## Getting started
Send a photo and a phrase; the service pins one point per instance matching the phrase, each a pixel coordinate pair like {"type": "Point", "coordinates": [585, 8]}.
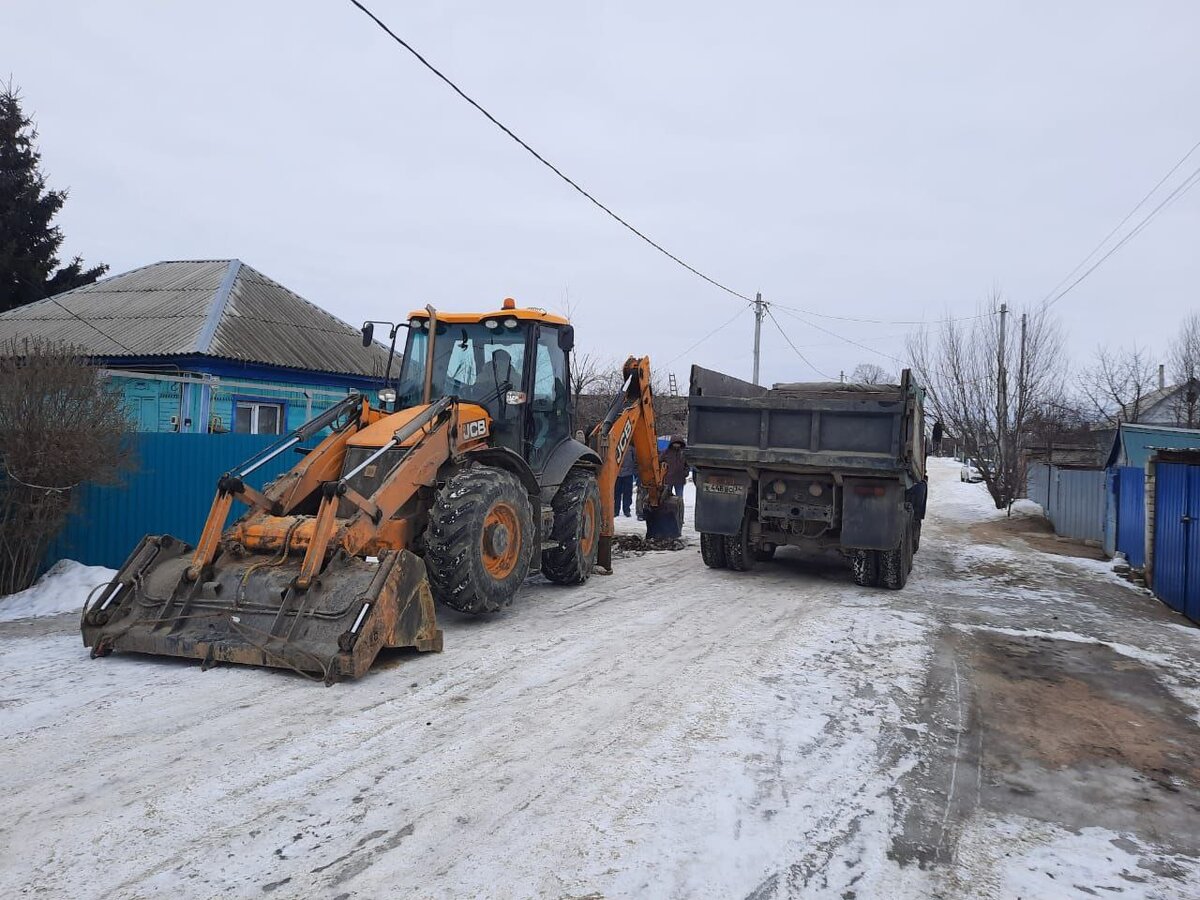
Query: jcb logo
{"type": "Point", "coordinates": [473, 430]}
{"type": "Point", "coordinates": [623, 441]}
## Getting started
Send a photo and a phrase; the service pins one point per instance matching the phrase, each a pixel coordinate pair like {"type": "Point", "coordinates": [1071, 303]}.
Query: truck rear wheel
{"type": "Point", "coordinates": [864, 566]}
{"type": "Point", "coordinates": [479, 540]}
{"type": "Point", "coordinates": [738, 551]}
{"type": "Point", "coordinates": [712, 550]}
{"type": "Point", "coordinates": [576, 529]}
{"type": "Point", "coordinates": [896, 564]}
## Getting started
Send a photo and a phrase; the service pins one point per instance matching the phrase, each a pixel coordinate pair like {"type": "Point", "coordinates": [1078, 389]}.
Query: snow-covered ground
{"type": "Point", "coordinates": [666, 731]}
{"type": "Point", "coordinates": [64, 588]}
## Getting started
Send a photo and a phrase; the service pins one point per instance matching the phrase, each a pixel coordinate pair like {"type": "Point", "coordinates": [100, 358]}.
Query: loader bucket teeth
{"type": "Point", "coordinates": [247, 611]}
{"type": "Point", "coordinates": [665, 520]}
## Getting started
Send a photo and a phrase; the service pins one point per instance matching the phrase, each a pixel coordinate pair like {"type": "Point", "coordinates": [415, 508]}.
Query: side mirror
{"type": "Point", "coordinates": [368, 333]}
{"type": "Point", "coordinates": [566, 338]}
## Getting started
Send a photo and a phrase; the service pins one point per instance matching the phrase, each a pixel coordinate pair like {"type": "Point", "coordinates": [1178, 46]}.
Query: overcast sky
{"type": "Point", "coordinates": [881, 160]}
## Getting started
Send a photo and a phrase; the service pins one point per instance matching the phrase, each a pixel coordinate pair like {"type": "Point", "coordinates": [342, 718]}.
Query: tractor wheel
{"type": "Point", "coordinates": [576, 530]}
{"type": "Point", "coordinates": [864, 564]}
{"type": "Point", "coordinates": [738, 552]}
{"type": "Point", "coordinates": [479, 540]}
{"type": "Point", "coordinates": [712, 550]}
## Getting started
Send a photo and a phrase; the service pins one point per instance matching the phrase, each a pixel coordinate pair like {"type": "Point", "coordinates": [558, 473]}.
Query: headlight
{"type": "Point", "coordinates": [387, 395]}
{"type": "Point", "coordinates": [510, 323]}
{"type": "Point", "coordinates": [815, 489]}
{"type": "Point", "coordinates": [492, 324]}
{"type": "Point", "coordinates": [779, 487]}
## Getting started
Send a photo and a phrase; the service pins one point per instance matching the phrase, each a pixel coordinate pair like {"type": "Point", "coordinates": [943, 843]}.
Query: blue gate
{"type": "Point", "coordinates": [1177, 537]}
{"type": "Point", "coordinates": [1131, 514]}
{"type": "Point", "coordinates": [169, 491]}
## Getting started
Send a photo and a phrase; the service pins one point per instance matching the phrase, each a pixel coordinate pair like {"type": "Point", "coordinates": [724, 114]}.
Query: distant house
{"type": "Point", "coordinates": [202, 346]}
{"type": "Point", "coordinates": [1177, 404]}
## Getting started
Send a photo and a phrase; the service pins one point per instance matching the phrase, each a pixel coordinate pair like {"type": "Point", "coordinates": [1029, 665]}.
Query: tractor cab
{"type": "Point", "coordinates": [512, 362]}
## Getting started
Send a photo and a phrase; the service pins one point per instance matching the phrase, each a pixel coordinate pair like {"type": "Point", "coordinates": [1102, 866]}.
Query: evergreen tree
{"type": "Point", "coordinates": [29, 242]}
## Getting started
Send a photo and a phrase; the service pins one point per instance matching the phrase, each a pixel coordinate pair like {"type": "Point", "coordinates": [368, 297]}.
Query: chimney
{"type": "Point", "coordinates": [1162, 376]}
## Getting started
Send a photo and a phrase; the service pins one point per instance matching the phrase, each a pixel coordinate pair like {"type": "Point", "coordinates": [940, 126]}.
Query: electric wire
{"type": "Point", "coordinates": [553, 168]}
{"type": "Point", "coordinates": [840, 337]}
{"type": "Point", "coordinates": [93, 327]}
{"type": "Point", "coordinates": [810, 312]}
{"type": "Point", "coordinates": [720, 327]}
{"type": "Point", "coordinates": [1186, 185]}
{"type": "Point", "coordinates": [793, 346]}
{"type": "Point", "coordinates": [1128, 216]}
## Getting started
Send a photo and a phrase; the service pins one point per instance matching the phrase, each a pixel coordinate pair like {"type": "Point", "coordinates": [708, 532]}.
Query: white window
{"type": "Point", "coordinates": [258, 418]}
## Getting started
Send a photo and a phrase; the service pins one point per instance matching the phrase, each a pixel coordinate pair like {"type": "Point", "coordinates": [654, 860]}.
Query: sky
{"type": "Point", "coordinates": [881, 161]}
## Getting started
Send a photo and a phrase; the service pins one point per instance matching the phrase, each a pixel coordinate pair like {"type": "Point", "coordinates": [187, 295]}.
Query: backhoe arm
{"type": "Point", "coordinates": [629, 424]}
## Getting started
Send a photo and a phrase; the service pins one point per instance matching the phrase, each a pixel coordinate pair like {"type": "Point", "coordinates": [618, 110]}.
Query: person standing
{"type": "Point", "coordinates": [676, 465]}
{"type": "Point", "coordinates": [623, 492]}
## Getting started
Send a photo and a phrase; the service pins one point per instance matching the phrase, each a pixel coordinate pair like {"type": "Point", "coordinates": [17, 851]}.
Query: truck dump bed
{"type": "Point", "coordinates": [822, 426]}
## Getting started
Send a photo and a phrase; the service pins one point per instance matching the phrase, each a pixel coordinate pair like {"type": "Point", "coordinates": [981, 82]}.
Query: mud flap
{"type": "Point", "coordinates": [721, 501]}
{"type": "Point", "coordinates": [247, 611]}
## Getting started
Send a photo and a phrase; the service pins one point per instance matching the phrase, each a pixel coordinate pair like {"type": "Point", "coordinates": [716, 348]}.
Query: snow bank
{"type": "Point", "coordinates": [64, 588]}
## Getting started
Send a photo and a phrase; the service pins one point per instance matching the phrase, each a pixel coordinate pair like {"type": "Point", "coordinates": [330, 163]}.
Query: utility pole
{"type": "Point", "coordinates": [760, 310]}
{"type": "Point", "coordinates": [1002, 403]}
{"type": "Point", "coordinates": [842, 376]}
{"type": "Point", "coordinates": [1022, 410]}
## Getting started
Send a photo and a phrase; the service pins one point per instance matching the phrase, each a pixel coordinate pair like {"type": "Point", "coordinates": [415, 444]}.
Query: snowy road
{"type": "Point", "coordinates": [667, 731]}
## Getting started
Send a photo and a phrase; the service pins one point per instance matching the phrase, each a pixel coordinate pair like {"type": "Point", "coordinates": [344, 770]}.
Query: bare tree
{"type": "Point", "coordinates": [1118, 384]}
{"type": "Point", "coordinates": [961, 365]}
{"type": "Point", "coordinates": [1185, 372]}
{"type": "Point", "coordinates": [60, 425]}
{"type": "Point", "coordinates": [870, 373]}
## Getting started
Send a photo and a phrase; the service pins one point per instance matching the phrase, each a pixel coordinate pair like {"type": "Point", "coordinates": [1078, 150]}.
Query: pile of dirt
{"type": "Point", "coordinates": [1035, 531]}
{"type": "Point", "coordinates": [636, 545]}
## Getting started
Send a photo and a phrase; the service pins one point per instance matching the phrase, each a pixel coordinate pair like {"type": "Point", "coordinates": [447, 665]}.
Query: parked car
{"type": "Point", "coordinates": [970, 472]}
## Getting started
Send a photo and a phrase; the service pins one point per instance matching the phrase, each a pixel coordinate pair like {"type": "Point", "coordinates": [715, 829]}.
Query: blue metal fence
{"type": "Point", "coordinates": [1131, 514]}
{"type": "Point", "coordinates": [1177, 537]}
{"type": "Point", "coordinates": [169, 491]}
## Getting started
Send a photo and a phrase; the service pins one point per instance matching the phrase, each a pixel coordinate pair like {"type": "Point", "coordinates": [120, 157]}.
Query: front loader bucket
{"type": "Point", "coordinates": [247, 611]}
{"type": "Point", "coordinates": [664, 520]}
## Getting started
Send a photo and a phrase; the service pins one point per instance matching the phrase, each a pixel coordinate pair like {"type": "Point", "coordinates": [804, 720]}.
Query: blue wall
{"type": "Point", "coordinates": [152, 402]}
{"type": "Point", "coordinates": [169, 491]}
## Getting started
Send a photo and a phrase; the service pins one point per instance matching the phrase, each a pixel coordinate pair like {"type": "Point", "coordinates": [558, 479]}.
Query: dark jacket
{"type": "Point", "coordinates": [676, 465]}
{"type": "Point", "coordinates": [628, 464]}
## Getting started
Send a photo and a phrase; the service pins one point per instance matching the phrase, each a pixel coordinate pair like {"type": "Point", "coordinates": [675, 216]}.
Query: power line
{"type": "Point", "coordinates": [1186, 185]}
{"type": "Point", "coordinates": [793, 346]}
{"type": "Point", "coordinates": [720, 327]}
{"type": "Point", "coordinates": [840, 337]}
{"type": "Point", "coordinates": [553, 168]}
{"type": "Point", "coordinates": [1128, 216]}
{"type": "Point", "coordinates": [93, 327]}
{"type": "Point", "coordinates": [810, 312]}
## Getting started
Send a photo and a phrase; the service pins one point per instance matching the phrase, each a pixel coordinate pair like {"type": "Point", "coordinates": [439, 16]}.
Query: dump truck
{"type": "Point", "coordinates": [829, 467]}
{"type": "Point", "coordinates": [463, 481]}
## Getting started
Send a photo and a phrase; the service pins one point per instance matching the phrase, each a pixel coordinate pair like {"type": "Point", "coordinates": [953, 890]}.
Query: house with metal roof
{"type": "Point", "coordinates": [207, 346]}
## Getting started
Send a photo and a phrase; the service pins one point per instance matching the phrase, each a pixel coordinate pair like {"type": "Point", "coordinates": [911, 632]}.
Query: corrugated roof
{"type": "Point", "coordinates": [178, 308]}
{"type": "Point", "coordinates": [1135, 444]}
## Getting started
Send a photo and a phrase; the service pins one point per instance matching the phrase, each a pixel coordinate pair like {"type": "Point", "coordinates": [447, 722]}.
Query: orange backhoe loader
{"type": "Point", "coordinates": [467, 484]}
